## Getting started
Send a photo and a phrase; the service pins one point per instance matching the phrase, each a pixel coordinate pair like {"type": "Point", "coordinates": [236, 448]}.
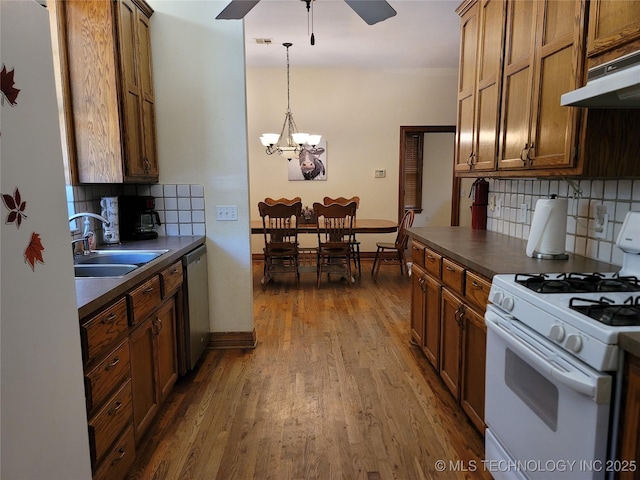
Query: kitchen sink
{"type": "Point", "coordinates": [119, 257]}
{"type": "Point", "coordinates": [102, 270]}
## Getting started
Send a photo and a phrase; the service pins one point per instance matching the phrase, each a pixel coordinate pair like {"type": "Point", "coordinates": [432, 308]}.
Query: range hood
{"type": "Point", "coordinates": [615, 84]}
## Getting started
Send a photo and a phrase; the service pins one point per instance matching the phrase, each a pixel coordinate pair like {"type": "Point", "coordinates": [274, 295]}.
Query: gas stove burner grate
{"type": "Point", "coordinates": [578, 283]}
{"type": "Point", "coordinates": [608, 312]}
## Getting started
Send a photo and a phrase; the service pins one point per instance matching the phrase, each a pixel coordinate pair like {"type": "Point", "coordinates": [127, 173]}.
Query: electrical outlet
{"type": "Point", "coordinates": [522, 213]}
{"type": "Point", "coordinates": [498, 211]}
{"type": "Point", "coordinates": [226, 213]}
{"type": "Point", "coordinates": [380, 173]}
{"type": "Point", "coordinates": [601, 221]}
{"type": "Point", "coordinates": [492, 203]}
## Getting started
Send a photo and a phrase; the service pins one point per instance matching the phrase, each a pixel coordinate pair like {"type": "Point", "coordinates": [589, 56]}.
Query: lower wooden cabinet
{"type": "Point", "coordinates": [447, 322]}
{"type": "Point", "coordinates": [450, 341]}
{"type": "Point", "coordinates": [130, 356]}
{"type": "Point", "coordinates": [629, 435]}
{"type": "Point", "coordinates": [474, 353]}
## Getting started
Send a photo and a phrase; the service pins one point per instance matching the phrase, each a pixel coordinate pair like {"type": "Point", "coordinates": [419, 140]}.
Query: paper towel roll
{"type": "Point", "coordinates": [548, 229]}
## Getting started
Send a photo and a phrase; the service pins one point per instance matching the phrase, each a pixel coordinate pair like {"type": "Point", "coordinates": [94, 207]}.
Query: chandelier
{"type": "Point", "coordinates": [291, 143]}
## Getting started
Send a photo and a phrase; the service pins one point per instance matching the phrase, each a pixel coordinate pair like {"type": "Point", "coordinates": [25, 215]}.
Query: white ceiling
{"type": "Point", "coordinates": [423, 34]}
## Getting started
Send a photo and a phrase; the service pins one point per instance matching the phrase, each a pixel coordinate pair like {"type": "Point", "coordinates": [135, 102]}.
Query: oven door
{"type": "Point", "coordinates": [547, 413]}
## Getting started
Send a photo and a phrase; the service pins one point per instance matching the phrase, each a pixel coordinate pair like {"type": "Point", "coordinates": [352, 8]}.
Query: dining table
{"type": "Point", "coordinates": [360, 225]}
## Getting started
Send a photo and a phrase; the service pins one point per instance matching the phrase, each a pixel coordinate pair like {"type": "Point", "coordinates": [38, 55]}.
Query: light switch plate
{"type": "Point", "coordinates": [226, 213]}
{"type": "Point", "coordinates": [380, 173]}
{"type": "Point", "coordinates": [522, 213]}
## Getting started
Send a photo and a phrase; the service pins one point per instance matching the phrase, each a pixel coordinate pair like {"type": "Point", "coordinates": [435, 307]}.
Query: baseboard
{"type": "Point", "coordinates": [220, 340]}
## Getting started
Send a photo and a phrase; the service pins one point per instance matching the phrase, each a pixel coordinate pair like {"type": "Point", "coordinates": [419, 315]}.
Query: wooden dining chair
{"type": "Point", "coordinates": [355, 243]}
{"type": "Point", "coordinates": [334, 224]}
{"type": "Point", "coordinates": [393, 253]}
{"type": "Point", "coordinates": [280, 230]}
{"type": "Point", "coordinates": [286, 201]}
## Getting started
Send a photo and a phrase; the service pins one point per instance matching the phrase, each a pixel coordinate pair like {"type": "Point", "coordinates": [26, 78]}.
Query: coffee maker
{"type": "Point", "coordinates": [138, 217]}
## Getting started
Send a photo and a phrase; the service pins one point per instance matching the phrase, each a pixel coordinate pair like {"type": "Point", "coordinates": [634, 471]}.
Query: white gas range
{"type": "Point", "coordinates": [552, 356]}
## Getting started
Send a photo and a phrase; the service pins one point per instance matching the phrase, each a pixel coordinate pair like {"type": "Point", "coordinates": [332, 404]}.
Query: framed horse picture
{"type": "Point", "coordinates": [311, 163]}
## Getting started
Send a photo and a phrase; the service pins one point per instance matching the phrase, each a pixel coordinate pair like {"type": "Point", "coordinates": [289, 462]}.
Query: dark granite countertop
{"type": "Point", "coordinates": [94, 293]}
{"type": "Point", "coordinates": [491, 253]}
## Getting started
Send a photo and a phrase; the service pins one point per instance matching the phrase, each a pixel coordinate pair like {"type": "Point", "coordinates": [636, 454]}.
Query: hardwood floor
{"type": "Point", "coordinates": [334, 390]}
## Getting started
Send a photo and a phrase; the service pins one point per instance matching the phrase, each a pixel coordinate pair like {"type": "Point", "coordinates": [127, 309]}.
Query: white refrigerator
{"type": "Point", "coordinates": [43, 427]}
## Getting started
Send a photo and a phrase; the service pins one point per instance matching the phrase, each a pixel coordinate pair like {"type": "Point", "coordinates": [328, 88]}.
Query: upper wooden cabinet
{"type": "Point", "coordinates": [107, 88]}
{"type": "Point", "coordinates": [479, 83]}
{"type": "Point", "coordinates": [543, 52]}
{"type": "Point", "coordinates": [613, 24]}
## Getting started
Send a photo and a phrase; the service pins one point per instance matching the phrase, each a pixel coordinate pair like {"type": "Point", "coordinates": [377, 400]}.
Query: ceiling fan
{"type": "Point", "coordinates": [371, 11]}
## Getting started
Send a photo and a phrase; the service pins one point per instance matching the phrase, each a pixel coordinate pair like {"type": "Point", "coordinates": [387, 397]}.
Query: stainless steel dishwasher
{"type": "Point", "coordinates": [196, 305]}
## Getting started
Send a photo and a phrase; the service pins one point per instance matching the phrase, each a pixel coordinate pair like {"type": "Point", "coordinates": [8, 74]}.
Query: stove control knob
{"type": "Point", "coordinates": [497, 298]}
{"type": "Point", "coordinates": [574, 343]}
{"type": "Point", "coordinates": [508, 303]}
{"type": "Point", "coordinates": [557, 333]}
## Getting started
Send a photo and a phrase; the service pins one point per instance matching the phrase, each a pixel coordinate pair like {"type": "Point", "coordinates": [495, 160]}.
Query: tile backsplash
{"type": "Point", "coordinates": [618, 196]}
{"type": "Point", "coordinates": [181, 207]}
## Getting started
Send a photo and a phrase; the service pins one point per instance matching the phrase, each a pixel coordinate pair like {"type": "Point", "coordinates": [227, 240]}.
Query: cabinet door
{"type": "Point", "coordinates": [612, 24]}
{"type": "Point", "coordinates": [431, 342]}
{"type": "Point", "coordinates": [630, 434]}
{"type": "Point", "coordinates": [543, 60]}
{"type": "Point", "coordinates": [139, 113]}
{"type": "Point", "coordinates": [165, 322]}
{"type": "Point", "coordinates": [466, 90]}
{"type": "Point", "coordinates": [558, 66]}
{"type": "Point", "coordinates": [489, 82]}
{"type": "Point", "coordinates": [516, 88]}
{"type": "Point", "coordinates": [452, 311]}
{"type": "Point", "coordinates": [418, 288]}
{"type": "Point", "coordinates": [143, 376]}
{"type": "Point", "coordinates": [474, 347]}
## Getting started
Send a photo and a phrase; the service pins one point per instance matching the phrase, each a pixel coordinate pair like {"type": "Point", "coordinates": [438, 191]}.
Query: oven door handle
{"type": "Point", "coordinates": [528, 352]}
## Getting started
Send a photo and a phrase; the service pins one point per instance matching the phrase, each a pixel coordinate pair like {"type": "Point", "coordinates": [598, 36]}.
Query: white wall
{"type": "Point", "coordinates": [201, 124]}
{"type": "Point", "coordinates": [359, 113]}
{"type": "Point", "coordinates": [437, 180]}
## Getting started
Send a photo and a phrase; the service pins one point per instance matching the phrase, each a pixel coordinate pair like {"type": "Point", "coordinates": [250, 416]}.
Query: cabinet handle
{"type": "Point", "coordinates": [174, 271]}
{"type": "Point", "coordinates": [470, 160]}
{"type": "Point", "coordinates": [431, 257]}
{"type": "Point", "coordinates": [109, 319]}
{"type": "Point", "coordinates": [147, 166]}
{"type": "Point", "coordinates": [459, 314]}
{"type": "Point", "coordinates": [529, 158]}
{"type": "Point", "coordinates": [148, 290]}
{"type": "Point", "coordinates": [477, 285]}
{"type": "Point", "coordinates": [160, 324]}
{"type": "Point", "coordinates": [122, 453]}
{"type": "Point", "coordinates": [421, 282]}
{"type": "Point", "coordinates": [451, 269]}
{"type": "Point", "coordinates": [523, 156]}
{"type": "Point", "coordinates": [115, 408]}
{"type": "Point", "coordinates": [115, 362]}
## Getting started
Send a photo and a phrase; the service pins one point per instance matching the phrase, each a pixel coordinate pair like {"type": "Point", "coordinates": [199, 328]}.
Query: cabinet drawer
{"type": "Point", "coordinates": [109, 422]}
{"type": "Point", "coordinates": [119, 459]}
{"type": "Point", "coordinates": [102, 330]}
{"type": "Point", "coordinates": [107, 375]}
{"type": "Point", "coordinates": [417, 253]}
{"type": "Point", "coordinates": [171, 278]}
{"type": "Point", "coordinates": [476, 289]}
{"type": "Point", "coordinates": [144, 299]}
{"type": "Point", "coordinates": [433, 262]}
{"type": "Point", "coordinates": [453, 275]}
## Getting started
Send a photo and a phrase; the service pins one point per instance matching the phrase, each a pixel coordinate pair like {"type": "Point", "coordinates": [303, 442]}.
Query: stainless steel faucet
{"type": "Point", "coordinates": [86, 232]}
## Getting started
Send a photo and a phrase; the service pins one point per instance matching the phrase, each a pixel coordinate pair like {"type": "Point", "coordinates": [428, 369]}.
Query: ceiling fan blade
{"type": "Point", "coordinates": [372, 11]}
{"type": "Point", "coordinates": [236, 9]}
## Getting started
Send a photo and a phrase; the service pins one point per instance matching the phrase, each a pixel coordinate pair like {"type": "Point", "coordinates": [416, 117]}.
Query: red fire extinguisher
{"type": "Point", "coordinates": [480, 192]}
